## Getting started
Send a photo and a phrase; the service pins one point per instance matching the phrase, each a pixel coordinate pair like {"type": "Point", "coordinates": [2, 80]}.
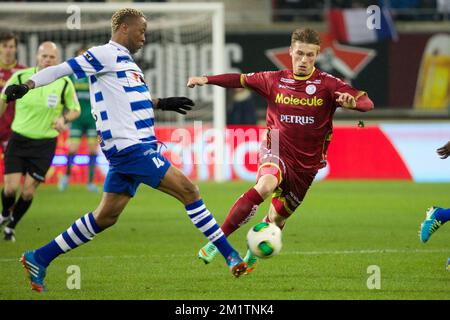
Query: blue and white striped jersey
{"type": "Point", "coordinates": [120, 99]}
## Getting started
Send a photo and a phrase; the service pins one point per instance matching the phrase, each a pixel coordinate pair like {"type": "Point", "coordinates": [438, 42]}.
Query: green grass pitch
{"type": "Point", "coordinates": [341, 229]}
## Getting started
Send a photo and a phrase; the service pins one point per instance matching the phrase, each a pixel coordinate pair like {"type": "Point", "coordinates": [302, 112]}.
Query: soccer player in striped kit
{"type": "Point", "coordinates": [123, 110]}
{"type": "Point", "coordinates": [301, 104]}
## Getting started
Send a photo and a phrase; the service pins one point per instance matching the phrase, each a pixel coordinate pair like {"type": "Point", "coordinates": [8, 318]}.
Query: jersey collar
{"type": "Point", "coordinates": [304, 77]}
{"type": "Point", "coordinates": [115, 44]}
{"type": "Point", "coordinates": [8, 66]}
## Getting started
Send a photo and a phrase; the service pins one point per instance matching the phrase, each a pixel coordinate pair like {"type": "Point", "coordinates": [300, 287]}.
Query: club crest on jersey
{"type": "Point", "coordinates": [52, 100]}
{"type": "Point", "coordinates": [310, 89]}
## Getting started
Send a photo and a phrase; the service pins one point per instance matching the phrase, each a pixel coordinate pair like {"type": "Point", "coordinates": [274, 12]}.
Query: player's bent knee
{"type": "Point", "coordinates": [266, 185]}
{"type": "Point", "coordinates": [10, 188]}
{"type": "Point", "coordinates": [27, 195]}
{"type": "Point", "coordinates": [28, 192]}
{"type": "Point", "coordinates": [191, 193]}
{"type": "Point", "coordinates": [106, 219]}
{"type": "Point", "coordinates": [10, 191]}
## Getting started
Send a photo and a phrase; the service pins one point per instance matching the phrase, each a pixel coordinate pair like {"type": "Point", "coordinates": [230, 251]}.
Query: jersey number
{"type": "Point", "coordinates": [158, 162]}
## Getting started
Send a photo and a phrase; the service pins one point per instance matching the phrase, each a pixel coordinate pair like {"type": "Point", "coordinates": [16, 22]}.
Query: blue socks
{"type": "Point", "coordinates": [84, 229]}
{"type": "Point", "coordinates": [443, 215]}
{"type": "Point", "coordinates": [81, 231]}
{"type": "Point", "coordinates": [205, 222]}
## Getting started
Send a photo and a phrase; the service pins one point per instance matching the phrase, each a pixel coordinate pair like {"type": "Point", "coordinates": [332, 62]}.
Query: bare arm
{"type": "Point", "coordinates": [227, 80]}
{"type": "Point", "coordinates": [71, 115]}
{"type": "Point", "coordinates": [155, 103]}
{"type": "Point", "coordinates": [346, 100]}
{"type": "Point", "coordinates": [60, 123]}
{"type": "Point", "coordinates": [197, 81]}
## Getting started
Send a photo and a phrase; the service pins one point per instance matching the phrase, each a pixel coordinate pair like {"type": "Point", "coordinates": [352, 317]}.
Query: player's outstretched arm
{"type": "Point", "coordinates": [42, 78]}
{"type": "Point", "coordinates": [227, 80]}
{"type": "Point", "coordinates": [346, 100]}
{"type": "Point", "coordinates": [197, 81]}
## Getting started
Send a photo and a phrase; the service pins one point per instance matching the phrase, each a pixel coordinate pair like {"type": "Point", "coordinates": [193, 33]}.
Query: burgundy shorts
{"type": "Point", "coordinates": [292, 185]}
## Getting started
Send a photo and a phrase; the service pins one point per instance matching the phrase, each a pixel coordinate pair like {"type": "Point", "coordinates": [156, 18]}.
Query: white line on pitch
{"type": "Point", "coordinates": [312, 253]}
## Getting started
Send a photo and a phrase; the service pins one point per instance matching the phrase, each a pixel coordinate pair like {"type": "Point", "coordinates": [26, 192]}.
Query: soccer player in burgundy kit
{"type": "Point", "coordinates": [8, 66]}
{"type": "Point", "coordinates": [301, 104]}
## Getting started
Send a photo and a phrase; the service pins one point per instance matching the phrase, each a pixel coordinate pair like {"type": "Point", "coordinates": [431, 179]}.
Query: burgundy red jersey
{"type": "Point", "coordinates": [8, 116]}
{"type": "Point", "coordinates": [301, 109]}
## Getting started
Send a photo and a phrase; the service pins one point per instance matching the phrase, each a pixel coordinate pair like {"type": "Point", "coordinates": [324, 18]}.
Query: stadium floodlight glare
{"type": "Point", "coordinates": [183, 39]}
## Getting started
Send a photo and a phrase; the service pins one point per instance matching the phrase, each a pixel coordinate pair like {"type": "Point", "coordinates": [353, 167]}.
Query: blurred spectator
{"type": "Point", "coordinates": [400, 4]}
{"type": "Point", "coordinates": [410, 10]}
{"type": "Point", "coordinates": [443, 8]}
{"type": "Point", "coordinates": [346, 4]}
{"type": "Point", "coordinates": [294, 10]}
{"type": "Point", "coordinates": [243, 108]}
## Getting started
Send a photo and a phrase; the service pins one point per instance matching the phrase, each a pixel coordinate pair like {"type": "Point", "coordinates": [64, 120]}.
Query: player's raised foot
{"type": "Point", "coordinates": [9, 235]}
{"type": "Point", "coordinates": [208, 252]}
{"type": "Point", "coordinates": [236, 264]}
{"type": "Point", "coordinates": [63, 183]}
{"type": "Point", "coordinates": [251, 260]}
{"type": "Point", "coordinates": [35, 271]}
{"type": "Point", "coordinates": [430, 224]}
{"type": "Point", "coordinates": [92, 187]}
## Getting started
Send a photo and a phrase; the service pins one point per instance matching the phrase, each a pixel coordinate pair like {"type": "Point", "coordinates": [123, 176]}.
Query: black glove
{"type": "Point", "coordinates": [178, 104]}
{"type": "Point", "coordinates": [16, 91]}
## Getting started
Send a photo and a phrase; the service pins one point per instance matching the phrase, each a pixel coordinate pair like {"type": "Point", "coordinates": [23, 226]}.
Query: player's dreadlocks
{"type": "Point", "coordinates": [306, 35]}
{"type": "Point", "coordinates": [122, 16]}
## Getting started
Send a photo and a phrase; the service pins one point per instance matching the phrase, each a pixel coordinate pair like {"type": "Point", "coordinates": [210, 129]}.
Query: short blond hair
{"type": "Point", "coordinates": [122, 15]}
{"type": "Point", "coordinates": [306, 35]}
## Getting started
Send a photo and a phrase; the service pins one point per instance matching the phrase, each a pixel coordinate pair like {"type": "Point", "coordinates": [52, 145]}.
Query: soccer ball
{"type": "Point", "coordinates": [264, 240]}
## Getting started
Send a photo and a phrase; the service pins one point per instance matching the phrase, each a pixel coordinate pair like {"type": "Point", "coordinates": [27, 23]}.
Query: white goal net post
{"type": "Point", "coordinates": [182, 40]}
